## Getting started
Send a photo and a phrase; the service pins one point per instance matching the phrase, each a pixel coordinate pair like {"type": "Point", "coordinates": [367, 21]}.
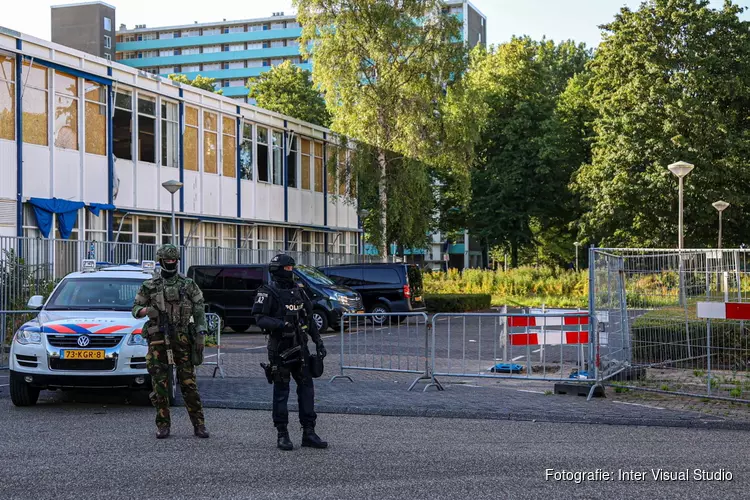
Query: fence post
{"type": "Point", "coordinates": [708, 354]}
{"type": "Point", "coordinates": [505, 334]}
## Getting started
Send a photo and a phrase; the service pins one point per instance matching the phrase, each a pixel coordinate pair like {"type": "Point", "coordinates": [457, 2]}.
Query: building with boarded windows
{"type": "Point", "coordinates": [85, 144]}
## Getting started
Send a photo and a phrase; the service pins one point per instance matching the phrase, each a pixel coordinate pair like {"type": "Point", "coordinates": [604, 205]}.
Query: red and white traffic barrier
{"type": "Point", "coordinates": [549, 337]}
{"type": "Point", "coordinates": [739, 311]}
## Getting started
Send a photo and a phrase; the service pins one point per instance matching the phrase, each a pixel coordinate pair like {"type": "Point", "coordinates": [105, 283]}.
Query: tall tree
{"type": "Point", "coordinates": [382, 66]}
{"type": "Point", "coordinates": [288, 89]}
{"type": "Point", "coordinates": [520, 184]}
{"type": "Point", "coordinates": [199, 81]}
{"type": "Point", "coordinates": [669, 82]}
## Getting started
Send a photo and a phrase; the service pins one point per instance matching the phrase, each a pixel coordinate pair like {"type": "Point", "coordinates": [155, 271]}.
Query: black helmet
{"type": "Point", "coordinates": [277, 265]}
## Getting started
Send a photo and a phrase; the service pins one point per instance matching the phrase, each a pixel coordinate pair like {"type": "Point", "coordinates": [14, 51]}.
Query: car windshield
{"type": "Point", "coordinates": [84, 294]}
{"type": "Point", "coordinates": [314, 275]}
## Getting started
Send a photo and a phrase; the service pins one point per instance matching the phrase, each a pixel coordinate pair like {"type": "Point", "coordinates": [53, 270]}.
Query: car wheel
{"type": "Point", "coordinates": [320, 319]}
{"type": "Point", "coordinates": [379, 312]}
{"type": "Point", "coordinates": [21, 393]}
{"type": "Point", "coordinates": [172, 385]}
{"type": "Point", "coordinates": [239, 328]}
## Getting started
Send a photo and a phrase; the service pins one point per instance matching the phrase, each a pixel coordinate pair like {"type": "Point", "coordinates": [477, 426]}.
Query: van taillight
{"type": "Point", "coordinates": [407, 291]}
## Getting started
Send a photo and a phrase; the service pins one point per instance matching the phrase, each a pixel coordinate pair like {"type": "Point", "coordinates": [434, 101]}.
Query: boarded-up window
{"type": "Point", "coordinates": [66, 111]}
{"type": "Point", "coordinates": [7, 97]}
{"type": "Point", "coordinates": [191, 139]}
{"type": "Point", "coordinates": [229, 145]}
{"type": "Point", "coordinates": [319, 167]}
{"type": "Point", "coordinates": [35, 115]}
{"type": "Point", "coordinates": [305, 167]}
{"type": "Point", "coordinates": [210, 143]}
{"type": "Point", "coordinates": [96, 118]}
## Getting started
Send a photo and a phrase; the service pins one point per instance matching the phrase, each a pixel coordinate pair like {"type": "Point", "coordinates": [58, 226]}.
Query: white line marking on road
{"type": "Point", "coordinates": [518, 357]}
{"type": "Point", "coordinates": [209, 356]}
{"type": "Point", "coordinates": [472, 340]}
{"type": "Point", "coordinates": [528, 390]}
{"type": "Point", "coordinates": [638, 404]}
{"type": "Point", "coordinates": [4, 385]}
{"type": "Point", "coordinates": [329, 336]}
{"type": "Point", "coordinates": [536, 351]}
{"type": "Point", "coordinates": [252, 348]}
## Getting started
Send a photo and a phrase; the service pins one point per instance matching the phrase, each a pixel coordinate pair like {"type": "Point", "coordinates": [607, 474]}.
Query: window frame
{"type": "Point", "coordinates": [107, 42]}
{"type": "Point", "coordinates": [9, 84]}
{"type": "Point", "coordinates": [144, 116]}
{"type": "Point", "coordinates": [193, 129]}
{"type": "Point", "coordinates": [246, 144]}
{"type": "Point", "coordinates": [208, 133]}
{"type": "Point", "coordinates": [29, 85]}
{"type": "Point", "coordinates": [74, 97]}
{"type": "Point", "coordinates": [228, 145]}
{"type": "Point", "coordinates": [103, 89]}
{"type": "Point", "coordinates": [267, 146]}
{"type": "Point", "coordinates": [131, 94]}
{"type": "Point", "coordinates": [164, 145]}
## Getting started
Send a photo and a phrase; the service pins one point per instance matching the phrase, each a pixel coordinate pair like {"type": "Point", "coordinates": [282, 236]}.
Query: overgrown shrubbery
{"type": "Point", "coordinates": [527, 286]}
{"type": "Point", "coordinates": [457, 303]}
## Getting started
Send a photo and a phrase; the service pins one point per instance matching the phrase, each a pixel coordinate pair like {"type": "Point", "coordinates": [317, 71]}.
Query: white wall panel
{"type": "Point", "coordinates": [95, 180]}
{"type": "Point", "coordinates": [318, 203]}
{"type": "Point", "coordinates": [36, 171]}
{"type": "Point", "coordinates": [148, 187]}
{"type": "Point", "coordinates": [248, 202]}
{"type": "Point", "coordinates": [124, 170]}
{"type": "Point", "coordinates": [8, 169]}
{"type": "Point", "coordinates": [276, 203]}
{"type": "Point", "coordinates": [192, 192]}
{"type": "Point", "coordinates": [263, 203]}
{"type": "Point", "coordinates": [67, 175]}
{"type": "Point", "coordinates": [211, 195]}
{"type": "Point", "coordinates": [165, 199]}
{"type": "Point", "coordinates": [228, 197]}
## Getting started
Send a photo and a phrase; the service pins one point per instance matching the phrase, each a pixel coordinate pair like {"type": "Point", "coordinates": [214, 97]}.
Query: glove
{"type": "Point", "coordinates": [152, 313]}
{"type": "Point", "coordinates": [321, 349]}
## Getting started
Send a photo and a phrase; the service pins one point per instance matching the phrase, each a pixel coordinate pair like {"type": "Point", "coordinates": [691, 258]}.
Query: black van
{"type": "Point", "coordinates": [229, 291]}
{"type": "Point", "coordinates": [384, 287]}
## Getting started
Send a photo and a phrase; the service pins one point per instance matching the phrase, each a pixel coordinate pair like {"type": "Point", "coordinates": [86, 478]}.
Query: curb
{"type": "Point", "coordinates": [483, 415]}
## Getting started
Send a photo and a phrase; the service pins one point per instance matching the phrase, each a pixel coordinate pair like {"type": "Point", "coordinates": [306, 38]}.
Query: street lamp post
{"type": "Point", "coordinates": [720, 206]}
{"type": "Point", "coordinates": [173, 186]}
{"type": "Point", "coordinates": [680, 169]}
{"type": "Point", "coordinates": [577, 244]}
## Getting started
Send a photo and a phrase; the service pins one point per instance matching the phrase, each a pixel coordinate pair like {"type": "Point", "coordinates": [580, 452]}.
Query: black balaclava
{"type": "Point", "coordinates": [278, 272]}
{"type": "Point", "coordinates": [168, 270]}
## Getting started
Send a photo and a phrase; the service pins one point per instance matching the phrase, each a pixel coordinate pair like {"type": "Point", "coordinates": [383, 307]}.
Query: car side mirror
{"type": "Point", "coordinates": [35, 302]}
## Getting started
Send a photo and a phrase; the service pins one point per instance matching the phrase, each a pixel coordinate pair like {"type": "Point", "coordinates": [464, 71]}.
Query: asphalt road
{"type": "Point", "coordinates": [68, 450]}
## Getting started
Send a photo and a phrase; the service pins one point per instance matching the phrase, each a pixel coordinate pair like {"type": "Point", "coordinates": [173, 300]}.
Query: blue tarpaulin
{"type": "Point", "coordinates": [96, 208]}
{"type": "Point", "coordinates": [67, 214]}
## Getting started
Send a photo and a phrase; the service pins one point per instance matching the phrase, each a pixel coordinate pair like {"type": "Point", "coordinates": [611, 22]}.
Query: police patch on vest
{"type": "Point", "coordinates": [261, 297]}
{"type": "Point", "coordinates": [295, 307]}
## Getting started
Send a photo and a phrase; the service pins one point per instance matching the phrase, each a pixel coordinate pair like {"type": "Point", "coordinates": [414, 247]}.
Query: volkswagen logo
{"type": "Point", "coordinates": [83, 341]}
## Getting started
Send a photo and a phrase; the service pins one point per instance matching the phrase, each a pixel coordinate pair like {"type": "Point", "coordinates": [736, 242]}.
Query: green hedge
{"type": "Point", "coordinates": [458, 302]}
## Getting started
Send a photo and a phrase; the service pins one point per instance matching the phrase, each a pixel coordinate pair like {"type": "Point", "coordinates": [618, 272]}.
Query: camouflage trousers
{"type": "Point", "coordinates": [158, 368]}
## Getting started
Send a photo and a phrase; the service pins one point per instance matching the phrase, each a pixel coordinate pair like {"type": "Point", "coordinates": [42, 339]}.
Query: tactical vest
{"type": "Point", "coordinates": [172, 297]}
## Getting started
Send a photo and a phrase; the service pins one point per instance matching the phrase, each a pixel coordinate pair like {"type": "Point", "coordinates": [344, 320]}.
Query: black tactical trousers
{"type": "Point", "coordinates": [305, 397]}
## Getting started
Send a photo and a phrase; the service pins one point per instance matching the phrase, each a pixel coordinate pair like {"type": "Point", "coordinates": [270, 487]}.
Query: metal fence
{"type": "Point", "coordinates": [654, 339]}
{"type": "Point", "coordinates": [390, 342]}
{"type": "Point", "coordinates": [31, 266]}
{"type": "Point", "coordinates": [543, 346]}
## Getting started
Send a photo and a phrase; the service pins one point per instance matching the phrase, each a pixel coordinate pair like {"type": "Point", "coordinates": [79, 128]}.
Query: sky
{"type": "Point", "coordinates": [556, 19]}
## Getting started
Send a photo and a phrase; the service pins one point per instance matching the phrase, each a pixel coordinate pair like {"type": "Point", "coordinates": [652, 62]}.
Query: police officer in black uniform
{"type": "Point", "coordinates": [283, 310]}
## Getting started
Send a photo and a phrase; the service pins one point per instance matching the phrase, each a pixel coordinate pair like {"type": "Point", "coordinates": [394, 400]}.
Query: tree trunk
{"type": "Point", "coordinates": [382, 186]}
{"type": "Point", "coordinates": [514, 254]}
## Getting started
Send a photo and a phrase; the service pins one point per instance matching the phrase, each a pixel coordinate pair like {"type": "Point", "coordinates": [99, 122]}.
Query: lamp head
{"type": "Point", "coordinates": [172, 186]}
{"type": "Point", "coordinates": [681, 168]}
{"type": "Point", "coordinates": [720, 205]}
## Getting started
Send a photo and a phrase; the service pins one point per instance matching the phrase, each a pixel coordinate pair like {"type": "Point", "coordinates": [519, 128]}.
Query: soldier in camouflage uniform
{"type": "Point", "coordinates": [174, 305]}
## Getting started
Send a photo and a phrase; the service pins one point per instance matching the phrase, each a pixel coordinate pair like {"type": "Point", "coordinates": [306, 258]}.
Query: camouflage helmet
{"type": "Point", "coordinates": [168, 252]}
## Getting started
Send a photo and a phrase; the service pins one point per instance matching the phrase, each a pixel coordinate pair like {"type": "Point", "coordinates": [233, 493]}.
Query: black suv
{"type": "Point", "coordinates": [384, 287]}
{"type": "Point", "coordinates": [229, 291]}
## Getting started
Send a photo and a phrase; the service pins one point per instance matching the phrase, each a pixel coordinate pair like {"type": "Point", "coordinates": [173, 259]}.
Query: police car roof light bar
{"type": "Point", "coordinates": [148, 266]}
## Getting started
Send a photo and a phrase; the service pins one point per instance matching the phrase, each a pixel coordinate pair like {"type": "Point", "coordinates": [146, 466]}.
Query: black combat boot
{"type": "Point", "coordinates": [162, 432]}
{"type": "Point", "coordinates": [283, 442]}
{"type": "Point", "coordinates": [312, 440]}
{"type": "Point", "coordinates": [200, 431]}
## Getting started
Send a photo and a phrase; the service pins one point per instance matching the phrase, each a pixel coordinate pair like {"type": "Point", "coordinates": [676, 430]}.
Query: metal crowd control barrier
{"type": "Point", "coordinates": [388, 342]}
{"type": "Point", "coordinates": [499, 345]}
{"type": "Point", "coordinates": [215, 327]}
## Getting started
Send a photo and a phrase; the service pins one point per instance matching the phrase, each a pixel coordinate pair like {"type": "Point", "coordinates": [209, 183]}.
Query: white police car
{"type": "Point", "coordinates": [84, 335]}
